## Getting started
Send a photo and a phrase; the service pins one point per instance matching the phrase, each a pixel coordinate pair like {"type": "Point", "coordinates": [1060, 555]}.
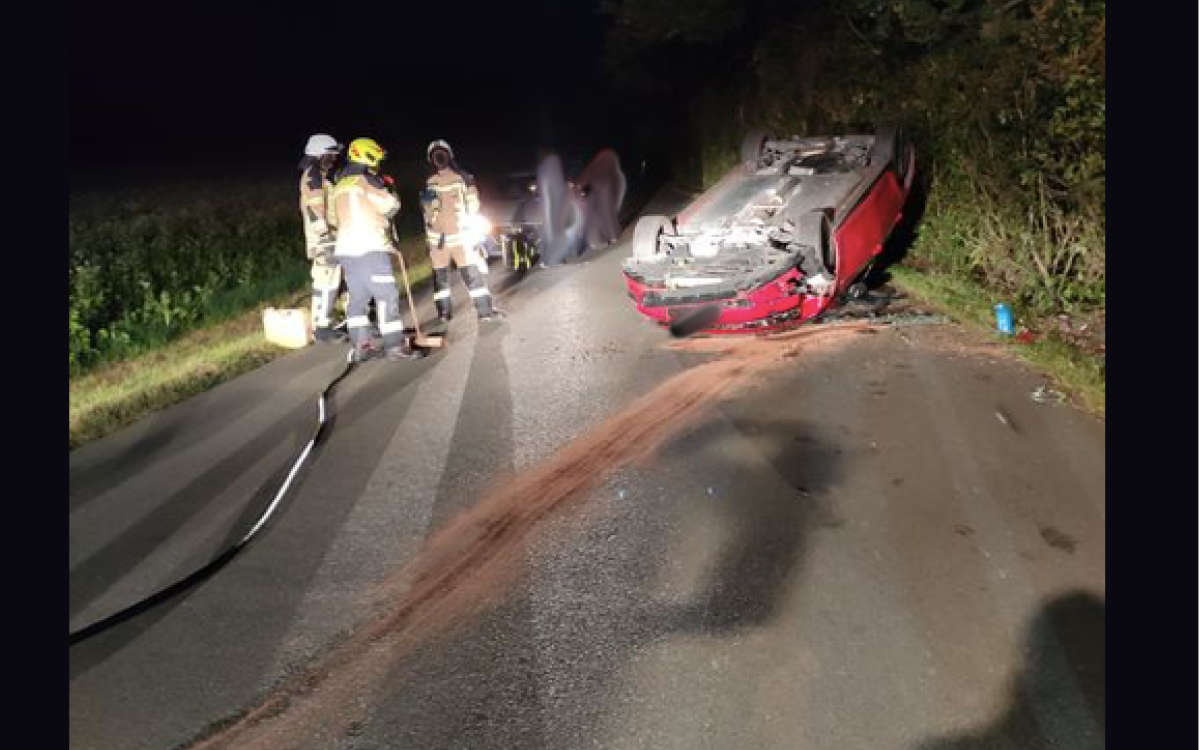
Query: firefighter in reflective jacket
{"type": "Point", "coordinates": [364, 208]}
{"type": "Point", "coordinates": [455, 230]}
{"type": "Point", "coordinates": [316, 189]}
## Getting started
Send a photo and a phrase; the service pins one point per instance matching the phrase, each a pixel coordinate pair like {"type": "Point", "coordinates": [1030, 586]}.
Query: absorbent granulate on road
{"type": "Point", "coordinates": [466, 564]}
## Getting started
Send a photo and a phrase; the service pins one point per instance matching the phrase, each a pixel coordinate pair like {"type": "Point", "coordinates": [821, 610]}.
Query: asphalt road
{"type": "Point", "coordinates": [853, 552]}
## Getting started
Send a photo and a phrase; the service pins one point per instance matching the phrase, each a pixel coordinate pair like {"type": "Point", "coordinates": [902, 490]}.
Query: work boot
{"type": "Point", "coordinates": [364, 351]}
{"type": "Point", "coordinates": [325, 335]}
{"type": "Point", "coordinates": [405, 351]}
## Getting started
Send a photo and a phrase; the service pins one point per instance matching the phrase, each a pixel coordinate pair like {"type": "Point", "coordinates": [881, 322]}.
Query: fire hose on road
{"type": "Point", "coordinates": [219, 561]}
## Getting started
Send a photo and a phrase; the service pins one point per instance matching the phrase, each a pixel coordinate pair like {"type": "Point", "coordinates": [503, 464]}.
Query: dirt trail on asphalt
{"type": "Point", "coordinates": [468, 564]}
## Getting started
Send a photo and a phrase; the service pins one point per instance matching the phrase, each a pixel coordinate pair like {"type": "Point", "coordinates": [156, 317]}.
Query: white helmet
{"type": "Point", "coordinates": [439, 143]}
{"type": "Point", "coordinates": [321, 144]}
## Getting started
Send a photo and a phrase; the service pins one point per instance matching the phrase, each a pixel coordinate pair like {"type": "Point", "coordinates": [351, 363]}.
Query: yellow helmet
{"type": "Point", "coordinates": [365, 151]}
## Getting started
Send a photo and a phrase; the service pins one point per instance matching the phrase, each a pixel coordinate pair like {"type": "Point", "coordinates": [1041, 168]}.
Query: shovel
{"type": "Point", "coordinates": [425, 342]}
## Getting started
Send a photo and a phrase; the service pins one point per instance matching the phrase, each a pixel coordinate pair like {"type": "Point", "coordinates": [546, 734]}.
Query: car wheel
{"type": "Point", "coordinates": [646, 233]}
{"type": "Point", "coordinates": [814, 230]}
{"type": "Point", "coordinates": [752, 148]}
{"type": "Point", "coordinates": [883, 149]}
{"type": "Point", "coordinates": [828, 248]}
{"type": "Point", "coordinates": [857, 290]}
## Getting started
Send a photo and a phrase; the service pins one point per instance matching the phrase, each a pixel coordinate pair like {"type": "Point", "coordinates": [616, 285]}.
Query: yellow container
{"type": "Point", "coordinates": [287, 327]}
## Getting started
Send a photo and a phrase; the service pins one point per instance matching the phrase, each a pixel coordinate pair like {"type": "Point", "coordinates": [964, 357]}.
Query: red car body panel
{"type": "Point", "coordinates": [860, 237]}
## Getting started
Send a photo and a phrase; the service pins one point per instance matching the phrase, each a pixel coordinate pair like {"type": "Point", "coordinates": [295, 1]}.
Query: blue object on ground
{"type": "Point", "coordinates": [1004, 319]}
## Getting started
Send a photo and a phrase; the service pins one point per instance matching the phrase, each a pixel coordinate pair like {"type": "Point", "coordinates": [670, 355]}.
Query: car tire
{"type": "Point", "coordinates": [646, 233]}
{"type": "Point", "coordinates": [883, 150]}
{"type": "Point", "coordinates": [856, 291]}
{"type": "Point", "coordinates": [814, 228]}
{"type": "Point", "coordinates": [752, 148]}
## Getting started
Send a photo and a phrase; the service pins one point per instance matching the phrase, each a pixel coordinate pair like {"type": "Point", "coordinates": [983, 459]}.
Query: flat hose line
{"type": "Point", "coordinates": [218, 562]}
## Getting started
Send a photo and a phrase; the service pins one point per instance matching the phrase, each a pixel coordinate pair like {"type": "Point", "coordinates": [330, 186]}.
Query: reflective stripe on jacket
{"type": "Point", "coordinates": [315, 197]}
{"type": "Point", "coordinates": [448, 197]}
{"type": "Point", "coordinates": [364, 207]}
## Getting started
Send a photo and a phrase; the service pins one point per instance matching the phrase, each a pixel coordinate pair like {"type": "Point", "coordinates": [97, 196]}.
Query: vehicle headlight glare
{"type": "Point", "coordinates": [475, 228]}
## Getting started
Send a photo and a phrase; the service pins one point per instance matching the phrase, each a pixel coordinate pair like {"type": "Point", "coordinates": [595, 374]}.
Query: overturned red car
{"type": "Point", "coordinates": [777, 239]}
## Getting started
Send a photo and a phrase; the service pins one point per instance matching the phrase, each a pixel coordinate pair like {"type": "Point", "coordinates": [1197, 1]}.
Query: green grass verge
{"type": "Point", "coordinates": [117, 394]}
{"type": "Point", "coordinates": [1076, 372]}
{"type": "Point", "coordinates": [220, 308]}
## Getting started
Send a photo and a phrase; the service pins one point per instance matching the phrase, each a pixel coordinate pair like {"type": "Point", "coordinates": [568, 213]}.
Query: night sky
{"type": "Point", "coordinates": [223, 82]}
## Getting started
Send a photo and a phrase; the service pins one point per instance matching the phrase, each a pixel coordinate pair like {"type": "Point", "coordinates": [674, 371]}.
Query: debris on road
{"type": "Point", "coordinates": [908, 317]}
{"type": "Point", "coordinates": [913, 319]}
{"type": "Point", "coordinates": [1058, 539]}
{"type": "Point", "coordinates": [1043, 395]}
{"type": "Point", "coordinates": [1004, 420]}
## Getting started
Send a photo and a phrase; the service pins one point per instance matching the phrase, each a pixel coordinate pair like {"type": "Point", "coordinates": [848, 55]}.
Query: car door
{"type": "Point", "coordinates": [859, 238]}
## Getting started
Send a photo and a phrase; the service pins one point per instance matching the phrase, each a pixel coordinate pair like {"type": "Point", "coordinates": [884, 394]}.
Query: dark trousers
{"type": "Point", "coordinates": [473, 270]}
{"type": "Point", "coordinates": [370, 277]}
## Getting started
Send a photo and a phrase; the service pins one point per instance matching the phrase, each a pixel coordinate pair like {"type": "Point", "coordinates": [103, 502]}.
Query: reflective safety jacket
{"type": "Point", "coordinates": [316, 195]}
{"type": "Point", "coordinates": [364, 207]}
{"type": "Point", "coordinates": [449, 196]}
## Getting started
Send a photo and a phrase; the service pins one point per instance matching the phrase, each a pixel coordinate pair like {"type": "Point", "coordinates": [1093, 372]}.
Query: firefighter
{"type": "Point", "coordinates": [316, 186]}
{"type": "Point", "coordinates": [364, 208]}
{"type": "Point", "coordinates": [450, 204]}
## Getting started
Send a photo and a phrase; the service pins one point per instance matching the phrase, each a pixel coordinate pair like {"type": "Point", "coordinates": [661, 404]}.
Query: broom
{"type": "Point", "coordinates": [425, 342]}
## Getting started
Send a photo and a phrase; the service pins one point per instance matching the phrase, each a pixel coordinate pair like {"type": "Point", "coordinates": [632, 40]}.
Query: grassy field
{"type": "Point", "coordinates": [167, 283]}
{"type": "Point", "coordinates": [148, 264]}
